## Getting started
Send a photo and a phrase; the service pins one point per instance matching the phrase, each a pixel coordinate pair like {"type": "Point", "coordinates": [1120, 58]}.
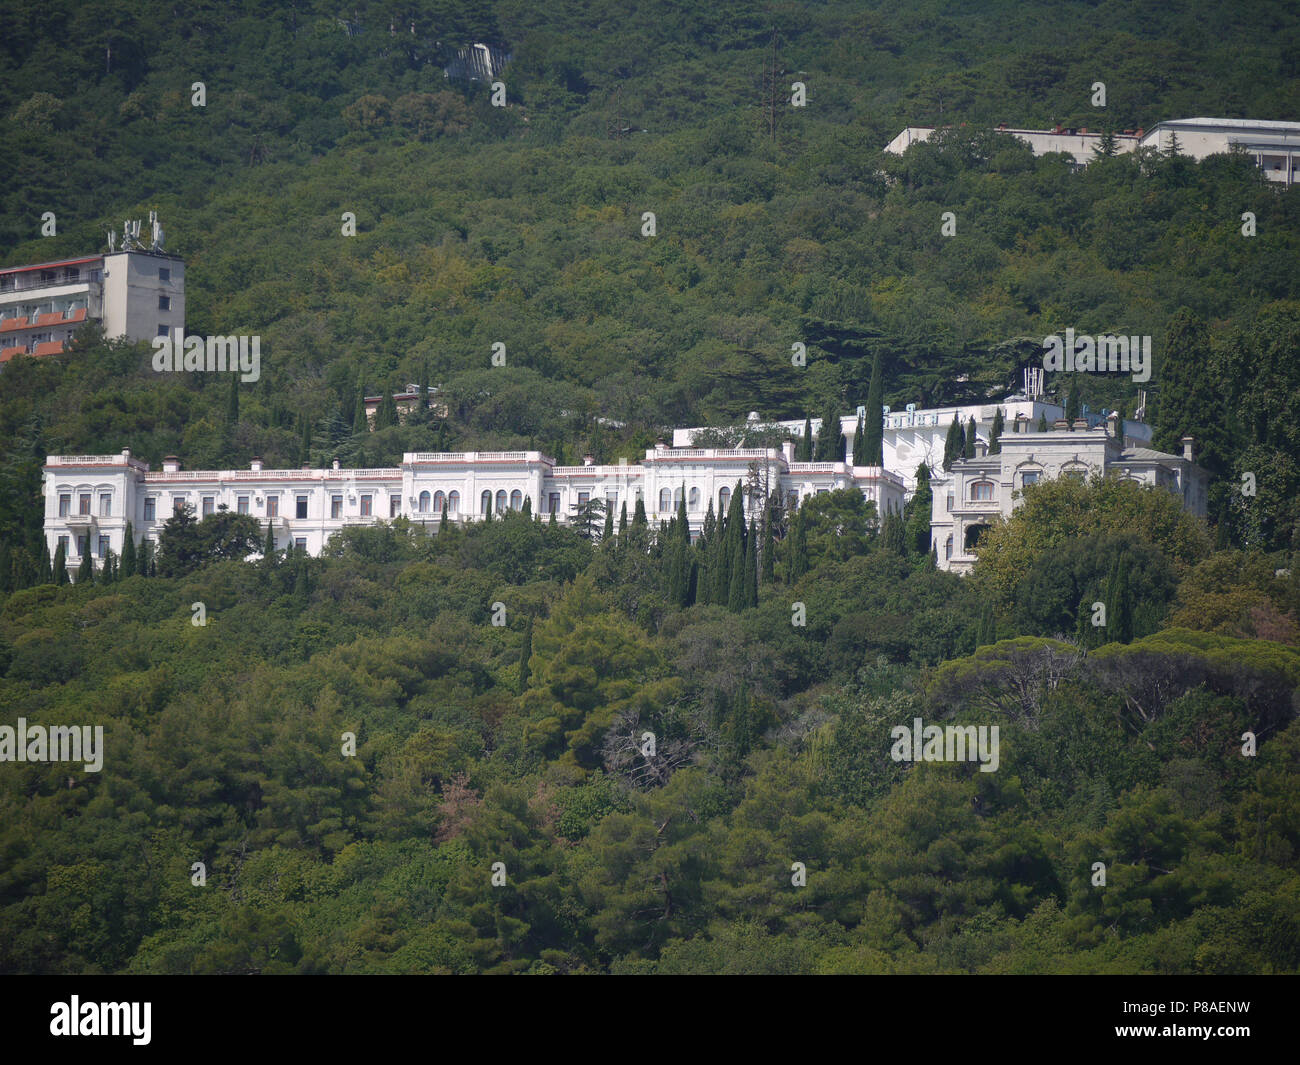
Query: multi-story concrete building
{"type": "Point", "coordinates": [913, 436]}
{"type": "Point", "coordinates": [1275, 146]}
{"type": "Point", "coordinates": [134, 294]}
{"type": "Point", "coordinates": [90, 498]}
{"type": "Point", "coordinates": [975, 491]}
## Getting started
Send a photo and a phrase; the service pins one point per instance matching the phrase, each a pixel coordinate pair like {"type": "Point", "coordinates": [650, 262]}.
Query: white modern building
{"type": "Point", "coordinates": [969, 497]}
{"type": "Point", "coordinates": [913, 436]}
{"type": "Point", "coordinates": [135, 294]}
{"type": "Point", "coordinates": [1275, 146]}
{"type": "Point", "coordinates": [90, 498]}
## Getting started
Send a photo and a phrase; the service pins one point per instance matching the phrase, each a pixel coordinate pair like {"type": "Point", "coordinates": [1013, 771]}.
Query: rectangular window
{"type": "Point", "coordinates": [365, 506]}
{"type": "Point", "coordinates": [164, 303]}
{"type": "Point", "coordinates": [164, 273]}
{"type": "Point", "coordinates": [394, 506]}
{"type": "Point", "coordinates": [83, 503]}
{"type": "Point", "coordinates": [63, 543]}
{"type": "Point", "coordinates": [611, 502]}
{"type": "Point", "coordinates": [241, 505]}
{"type": "Point", "coordinates": [272, 506]}
{"type": "Point", "coordinates": [1029, 478]}
{"type": "Point", "coordinates": [209, 505]}
{"type": "Point", "coordinates": [81, 545]}
{"type": "Point", "coordinates": [950, 501]}
{"type": "Point", "coordinates": [162, 331]}
{"type": "Point", "coordinates": [336, 507]}
{"type": "Point", "coordinates": [65, 505]}
{"type": "Point", "coordinates": [584, 498]}
{"type": "Point", "coordinates": [105, 504]}
{"type": "Point", "coordinates": [150, 503]}
{"type": "Point", "coordinates": [300, 543]}
{"type": "Point", "coordinates": [302, 507]}
{"type": "Point", "coordinates": [177, 504]}
{"type": "Point", "coordinates": [555, 503]}
{"type": "Point", "coordinates": [103, 547]}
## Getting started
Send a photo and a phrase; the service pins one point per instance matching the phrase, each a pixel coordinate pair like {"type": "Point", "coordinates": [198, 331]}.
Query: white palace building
{"type": "Point", "coordinates": [90, 498]}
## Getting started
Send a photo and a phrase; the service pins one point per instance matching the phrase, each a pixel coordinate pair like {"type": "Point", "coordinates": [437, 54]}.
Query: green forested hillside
{"type": "Point", "coordinates": [522, 744]}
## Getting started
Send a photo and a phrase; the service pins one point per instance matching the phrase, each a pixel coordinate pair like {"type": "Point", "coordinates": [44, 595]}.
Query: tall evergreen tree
{"type": "Point", "coordinates": [803, 451]}
{"type": "Point", "coordinates": [86, 571]}
{"type": "Point", "coordinates": [995, 434]}
{"type": "Point", "coordinates": [736, 593]}
{"type": "Point", "coordinates": [6, 569]}
{"type": "Point", "coordinates": [968, 445]}
{"type": "Point", "coordinates": [128, 566]}
{"type": "Point", "coordinates": [751, 566]}
{"type": "Point", "coordinates": [638, 514]}
{"type": "Point", "coordinates": [857, 444]}
{"type": "Point", "coordinates": [232, 401]}
{"type": "Point", "coordinates": [360, 423]}
{"type": "Point", "coordinates": [873, 443]}
{"type": "Point", "coordinates": [607, 533]}
{"type": "Point", "coordinates": [59, 575]}
{"type": "Point", "coordinates": [268, 550]}
{"type": "Point", "coordinates": [955, 443]}
{"type": "Point", "coordinates": [622, 519]}
{"type": "Point", "coordinates": [918, 511]}
{"type": "Point", "coordinates": [768, 560]}
{"type": "Point", "coordinates": [796, 559]}
{"type": "Point", "coordinates": [1072, 402]}
{"type": "Point", "coordinates": [1191, 401]}
{"type": "Point", "coordinates": [893, 534]}
{"type": "Point", "coordinates": [45, 569]}
{"type": "Point", "coordinates": [1119, 604]}
{"type": "Point", "coordinates": [1042, 422]}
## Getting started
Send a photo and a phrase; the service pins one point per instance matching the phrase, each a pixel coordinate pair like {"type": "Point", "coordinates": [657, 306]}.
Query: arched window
{"type": "Point", "coordinates": [1075, 475]}
{"type": "Point", "coordinates": [439, 502]}
{"type": "Point", "coordinates": [694, 499]}
{"type": "Point", "coordinates": [665, 501]}
{"type": "Point", "coordinates": [485, 503]}
{"type": "Point", "coordinates": [724, 500]}
{"type": "Point", "coordinates": [1029, 477]}
{"type": "Point", "coordinates": [501, 501]}
{"type": "Point", "coordinates": [516, 499]}
{"type": "Point", "coordinates": [453, 502]}
{"type": "Point", "coordinates": [677, 497]}
{"type": "Point", "coordinates": [982, 491]}
{"type": "Point", "coordinates": [947, 549]}
{"type": "Point", "coordinates": [424, 502]}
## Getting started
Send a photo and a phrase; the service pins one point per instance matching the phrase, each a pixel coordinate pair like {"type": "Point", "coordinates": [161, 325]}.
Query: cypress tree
{"type": "Point", "coordinates": [638, 513]}
{"type": "Point", "coordinates": [873, 445]}
{"type": "Point", "coordinates": [705, 548]}
{"type": "Point", "coordinates": [1191, 401]}
{"type": "Point", "coordinates": [830, 441]}
{"type": "Point", "coordinates": [60, 571]}
{"type": "Point", "coordinates": [1119, 604]}
{"type": "Point", "coordinates": [736, 594]}
{"type": "Point", "coordinates": [6, 569]}
{"type": "Point", "coordinates": [232, 403]}
{"type": "Point", "coordinates": [918, 510]}
{"type": "Point", "coordinates": [1072, 402]}
{"type": "Point", "coordinates": [769, 539]}
{"type": "Point", "coordinates": [622, 519]}
{"type": "Point", "coordinates": [525, 653]}
{"type": "Point", "coordinates": [268, 549]}
{"type": "Point", "coordinates": [995, 434]}
{"type": "Point", "coordinates": [968, 447]}
{"type": "Point", "coordinates": [109, 571]}
{"type": "Point", "coordinates": [803, 451]}
{"type": "Point", "coordinates": [527, 510]}
{"type": "Point", "coordinates": [45, 569]}
{"type": "Point", "coordinates": [442, 521]}
{"type": "Point", "coordinates": [86, 571]}
{"type": "Point", "coordinates": [751, 566]}
{"type": "Point", "coordinates": [893, 534]}
{"type": "Point", "coordinates": [128, 566]}
{"type": "Point", "coordinates": [607, 534]}
{"type": "Point", "coordinates": [553, 517]}
{"type": "Point", "coordinates": [954, 445]}
{"type": "Point", "coordinates": [1042, 422]}
{"type": "Point", "coordinates": [858, 444]}
{"type": "Point", "coordinates": [360, 423]}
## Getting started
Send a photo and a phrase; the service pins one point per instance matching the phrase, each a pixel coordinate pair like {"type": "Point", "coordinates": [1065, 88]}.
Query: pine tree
{"type": "Point", "coordinates": [954, 445]}
{"type": "Point", "coordinates": [873, 444]}
{"type": "Point", "coordinates": [59, 575]}
{"type": "Point", "coordinates": [525, 654]}
{"type": "Point", "coordinates": [128, 566]}
{"type": "Point", "coordinates": [995, 434]}
{"type": "Point", "coordinates": [968, 445]}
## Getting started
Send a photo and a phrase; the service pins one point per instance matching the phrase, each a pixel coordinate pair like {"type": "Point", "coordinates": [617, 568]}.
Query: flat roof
{"type": "Point", "coordinates": [47, 266]}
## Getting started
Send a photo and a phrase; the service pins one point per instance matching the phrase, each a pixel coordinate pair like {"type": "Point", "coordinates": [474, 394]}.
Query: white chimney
{"type": "Point", "coordinates": [1187, 442]}
{"type": "Point", "coordinates": [336, 464]}
{"type": "Point", "coordinates": [256, 466]}
{"type": "Point", "coordinates": [787, 450]}
{"type": "Point", "coordinates": [171, 464]}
